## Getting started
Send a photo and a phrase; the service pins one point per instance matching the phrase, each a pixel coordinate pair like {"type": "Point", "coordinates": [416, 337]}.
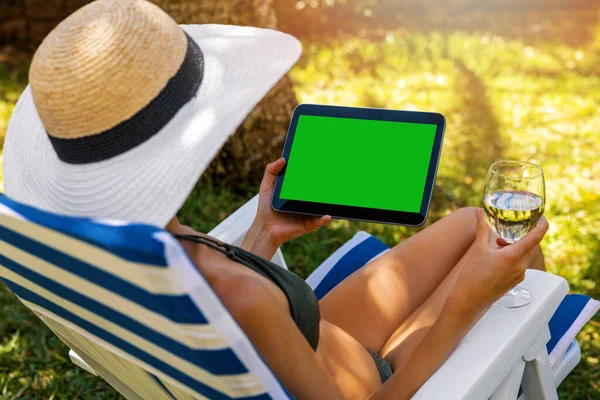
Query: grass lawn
{"type": "Point", "coordinates": [503, 98]}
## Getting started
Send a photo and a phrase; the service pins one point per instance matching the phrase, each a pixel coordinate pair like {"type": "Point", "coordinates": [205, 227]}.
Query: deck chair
{"type": "Point", "coordinates": [134, 310]}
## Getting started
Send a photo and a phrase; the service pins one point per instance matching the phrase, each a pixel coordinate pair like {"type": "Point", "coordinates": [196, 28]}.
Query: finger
{"type": "Point", "coordinates": [532, 239]}
{"type": "Point", "coordinates": [275, 167]}
{"type": "Point", "coordinates": [324, 220]}
{"type": "Point", "coordinates": [501, 242]}
{"type": "Point", "coordinates": [484, 233]}
{"type": "Point", "coordinates": [271, 172]}
{"type": "Point", "coordinates": [315, 223]}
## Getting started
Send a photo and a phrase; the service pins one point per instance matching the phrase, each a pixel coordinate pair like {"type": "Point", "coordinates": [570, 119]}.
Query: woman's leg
{"type": "Point", "coordinates": [408, 335]}
{"type": "Point", "coordinates": [373, 302]}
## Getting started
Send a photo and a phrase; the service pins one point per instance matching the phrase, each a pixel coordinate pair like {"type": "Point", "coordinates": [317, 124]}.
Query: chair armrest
{"type": "Point", "coordinates": [497, 344]}
{"type": "Point", "coordinates": [234, 228]}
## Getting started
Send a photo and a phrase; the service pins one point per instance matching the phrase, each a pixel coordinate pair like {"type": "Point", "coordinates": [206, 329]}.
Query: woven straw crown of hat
{"type": "Point", "coordinates": [102, 65]}
{"type": "Point", "coordinates": [126, 109]}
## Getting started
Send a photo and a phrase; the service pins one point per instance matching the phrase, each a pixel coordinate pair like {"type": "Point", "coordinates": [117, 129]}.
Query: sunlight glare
{"type": "Point", "coordinates": [529, 52]}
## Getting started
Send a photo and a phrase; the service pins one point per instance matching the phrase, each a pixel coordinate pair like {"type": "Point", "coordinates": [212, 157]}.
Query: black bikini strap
{"type": "Point", "coordinates": [210, 242]}
{"type": "Point", "coordinates": [232, 252]}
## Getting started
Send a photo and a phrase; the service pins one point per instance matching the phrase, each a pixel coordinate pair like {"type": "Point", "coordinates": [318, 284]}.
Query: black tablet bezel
{"type": "Point", "coordinates": [361, 213]}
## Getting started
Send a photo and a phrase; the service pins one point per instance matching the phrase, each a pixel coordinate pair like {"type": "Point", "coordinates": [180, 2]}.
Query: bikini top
{"type": "Point", "coordinates": [304, 306]}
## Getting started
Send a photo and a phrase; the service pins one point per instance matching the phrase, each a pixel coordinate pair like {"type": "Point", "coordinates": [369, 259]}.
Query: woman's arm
{"type": "Point", "coordinates": [267, 323]}
{"type": "Point", "coordinates": [271, 229]}
{"type": "Point", "coordinates": [259, 241]}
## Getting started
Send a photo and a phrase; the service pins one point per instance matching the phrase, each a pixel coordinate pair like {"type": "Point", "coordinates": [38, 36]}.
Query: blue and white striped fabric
{"type": "Point", "coordinates": [570, 317]}
{"type": "Point", "coordinates": [352, 256]}
{"type": "Point", "coordinates": [127, 297]}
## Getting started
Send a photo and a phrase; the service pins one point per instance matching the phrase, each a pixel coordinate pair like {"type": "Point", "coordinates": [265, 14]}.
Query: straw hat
{"type": "Point", "coordinates": [125, 109]}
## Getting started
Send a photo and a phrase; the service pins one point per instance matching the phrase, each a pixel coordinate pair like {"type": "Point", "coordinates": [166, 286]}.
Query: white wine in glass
{"type": "Point", "coordinates": [514, 201]}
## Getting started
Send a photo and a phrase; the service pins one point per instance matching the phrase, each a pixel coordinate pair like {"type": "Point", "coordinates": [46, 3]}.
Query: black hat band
{"type": "Point", "coordinates": [147, 122]}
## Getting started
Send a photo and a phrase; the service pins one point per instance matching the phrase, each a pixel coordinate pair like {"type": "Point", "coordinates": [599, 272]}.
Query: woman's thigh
{"type": "Point", "coordinates": [374, 301]}
{"type": "Point", "coordinates": [349, 364]}
{"type": "Point", "coordinates": [409, 334]}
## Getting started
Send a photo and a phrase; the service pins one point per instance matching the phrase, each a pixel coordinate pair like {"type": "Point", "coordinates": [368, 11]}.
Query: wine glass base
{"type": "Point", "coordinates": [514, 298]}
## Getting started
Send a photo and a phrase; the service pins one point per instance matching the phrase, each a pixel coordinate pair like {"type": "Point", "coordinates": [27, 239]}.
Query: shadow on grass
{"type": "Point", "coordinates": [474, 122]}
{"type": "Point", "coordinates": [483, 141]}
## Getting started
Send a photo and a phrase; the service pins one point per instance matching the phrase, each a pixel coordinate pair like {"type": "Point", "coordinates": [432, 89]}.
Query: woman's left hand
{"type": "Point", "coordinates": [276, 227]}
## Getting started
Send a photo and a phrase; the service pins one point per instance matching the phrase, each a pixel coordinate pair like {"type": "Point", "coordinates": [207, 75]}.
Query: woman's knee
{"type": "Point", "coordinates": [466, 212]}
{"type": "Point", "coordinates": [466, 218]}
{"type": "Point", "coordinates": [459, 225]}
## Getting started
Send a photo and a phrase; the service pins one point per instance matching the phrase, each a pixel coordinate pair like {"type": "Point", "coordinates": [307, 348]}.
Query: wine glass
{"type": "Point", "coordinates": [514, 200]}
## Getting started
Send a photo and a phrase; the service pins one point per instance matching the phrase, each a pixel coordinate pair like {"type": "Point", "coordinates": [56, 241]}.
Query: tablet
{"type": "Point", "coordinates": [360, 163]}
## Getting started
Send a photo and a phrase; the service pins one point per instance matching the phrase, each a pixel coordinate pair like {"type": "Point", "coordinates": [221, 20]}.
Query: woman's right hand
{"type": "Point", "coordinates": [489, 271]}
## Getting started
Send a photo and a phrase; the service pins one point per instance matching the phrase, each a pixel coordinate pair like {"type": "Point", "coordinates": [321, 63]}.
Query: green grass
{"type": "Point", "coordinates": [34, 363]}
{"type": "Point", "coordinates": [502, 99]}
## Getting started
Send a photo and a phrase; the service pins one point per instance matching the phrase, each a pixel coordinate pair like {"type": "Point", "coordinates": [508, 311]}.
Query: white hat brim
{"type": "Point", "coordinates": [150, 183]}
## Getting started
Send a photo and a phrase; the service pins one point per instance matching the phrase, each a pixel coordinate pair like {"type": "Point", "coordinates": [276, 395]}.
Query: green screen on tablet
{"type": "Point", "coordinates": [359, 162]}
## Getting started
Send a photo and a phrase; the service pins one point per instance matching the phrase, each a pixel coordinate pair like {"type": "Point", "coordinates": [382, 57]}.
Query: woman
{"type": "Point", "coordinates": [124, 112]}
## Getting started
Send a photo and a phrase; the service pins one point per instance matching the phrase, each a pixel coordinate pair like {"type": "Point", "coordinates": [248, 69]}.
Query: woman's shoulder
{"type": "Point", "coordinates": [239, 288]}
{"type": "Point", "coordinates": [252, 302]}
